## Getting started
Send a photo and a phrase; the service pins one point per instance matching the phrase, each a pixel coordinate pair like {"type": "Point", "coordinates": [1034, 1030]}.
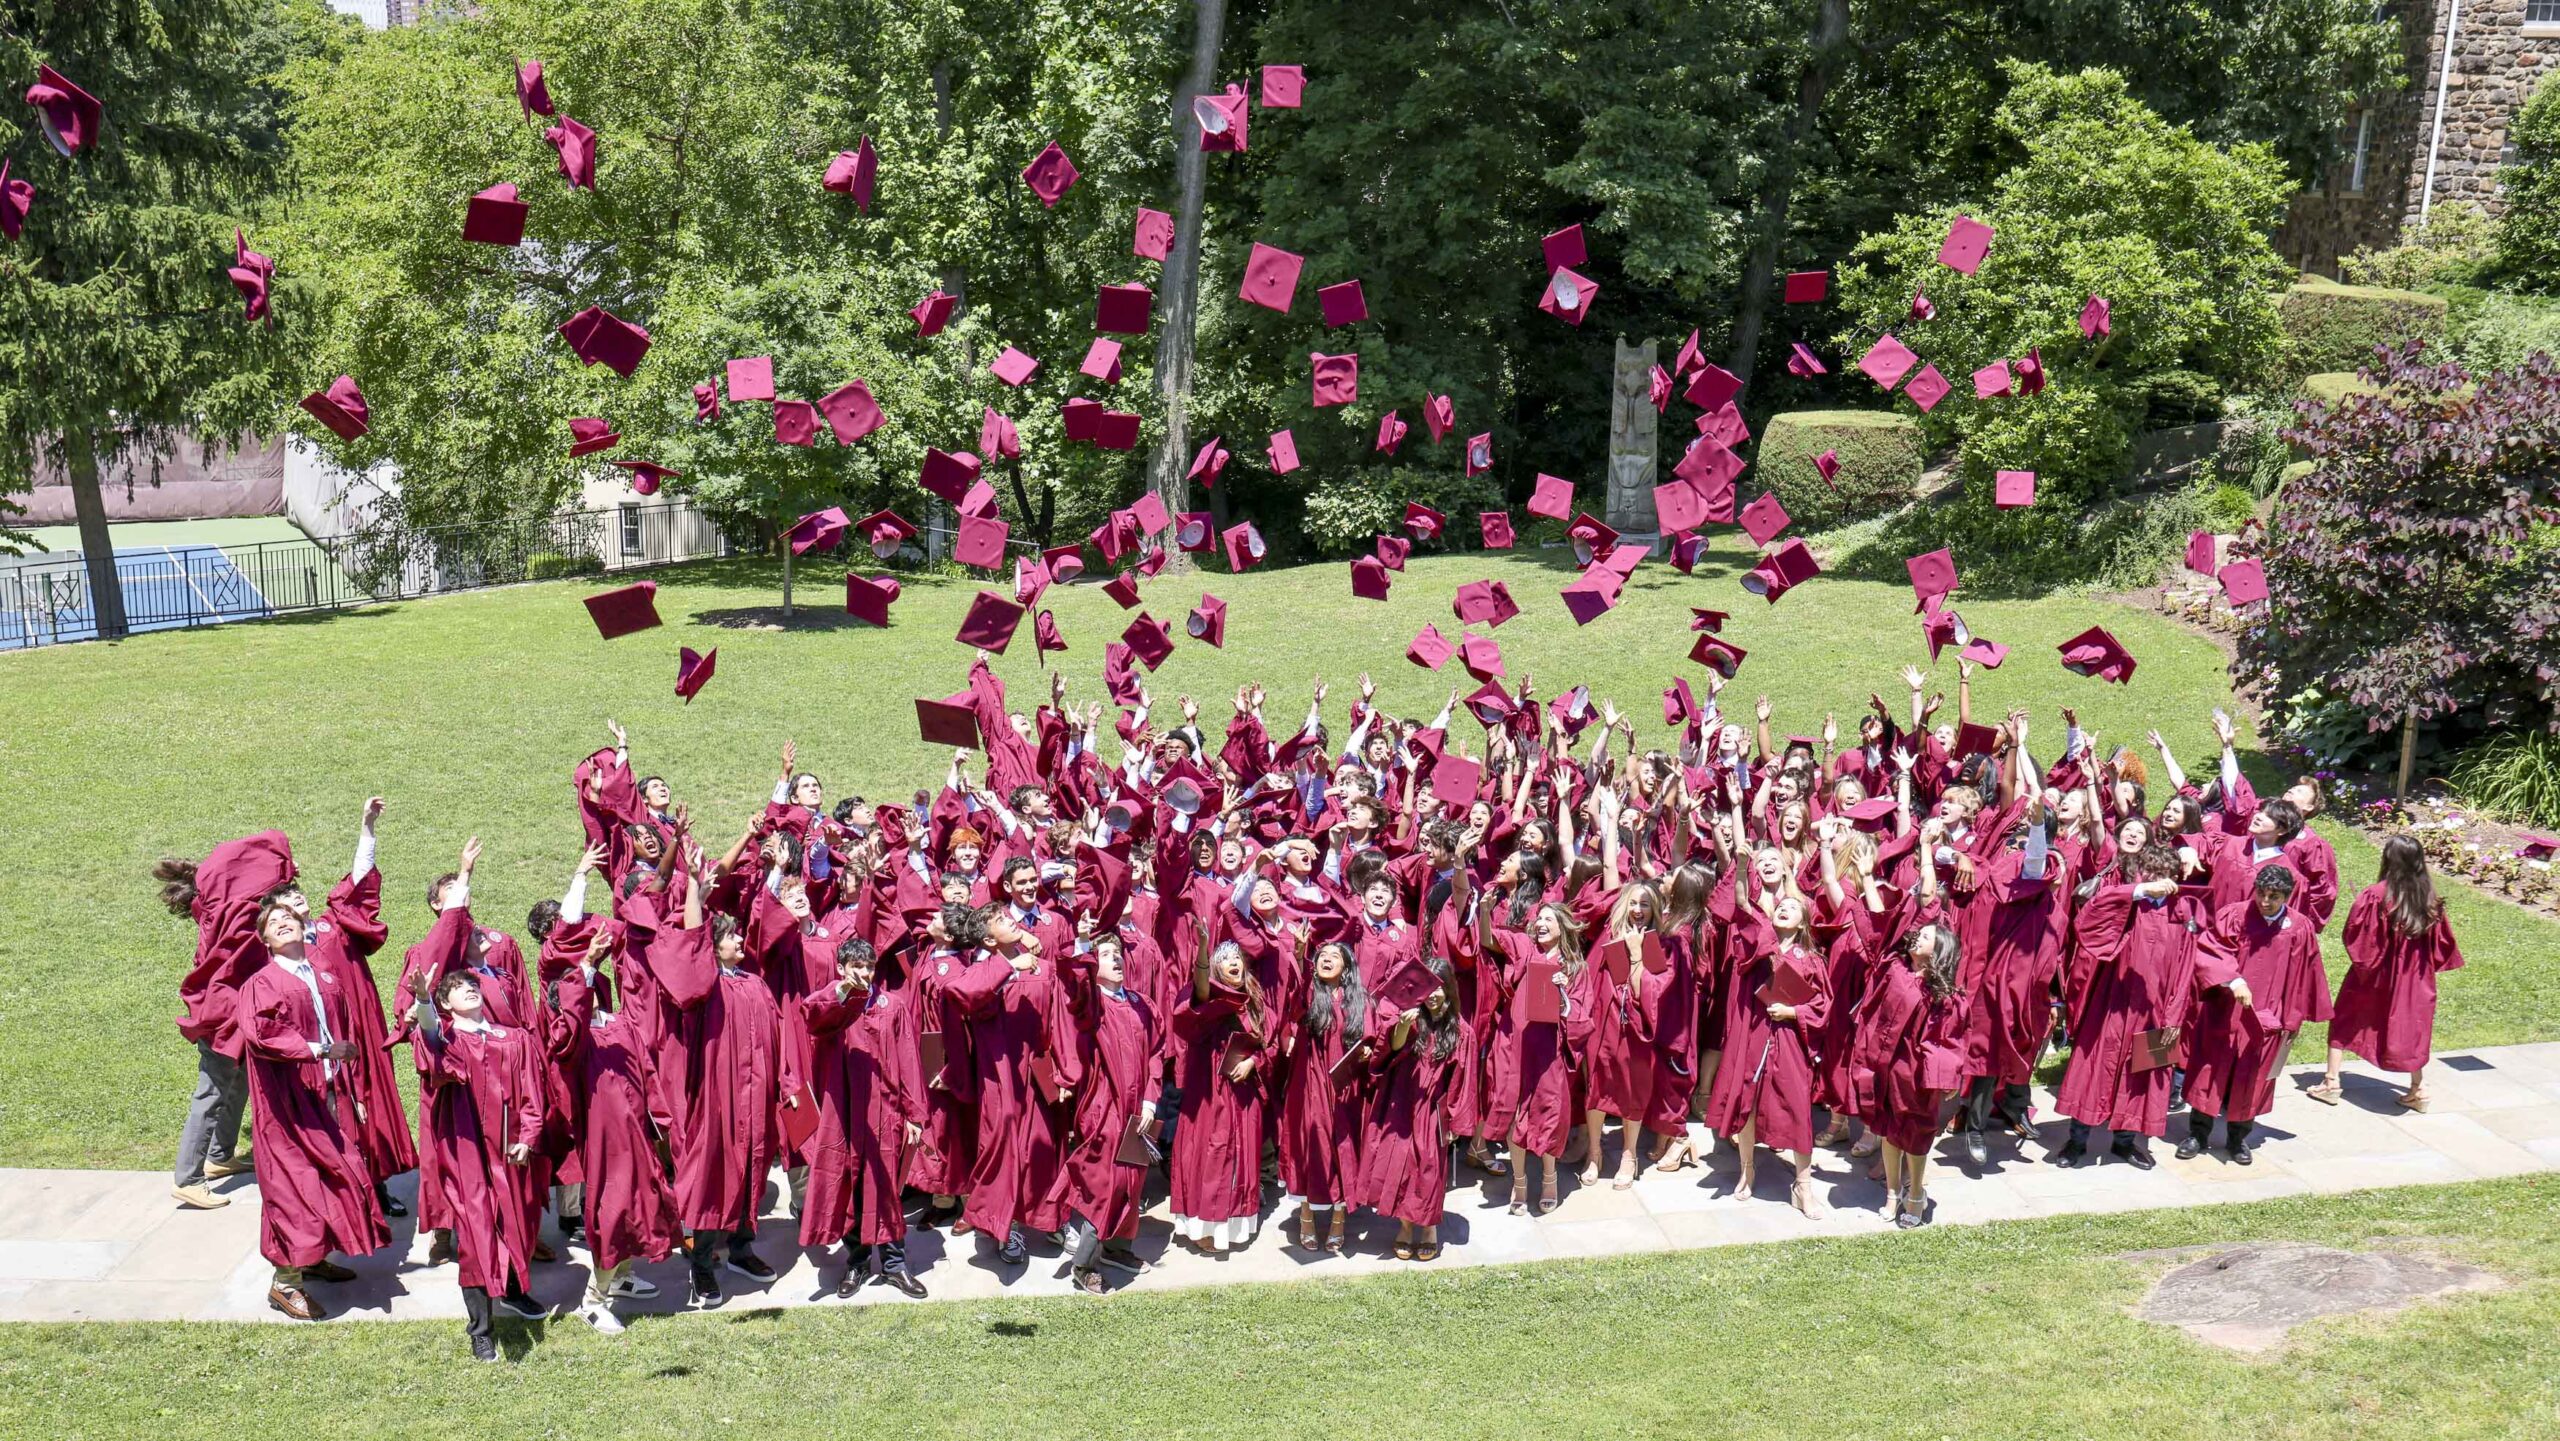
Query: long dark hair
{"type": "Point", "coordinates": [177, 880]}
{"type": "Point", "coordinates": [1685, 900]}
{"type": "Point", "coordinates": [2415, 906]}
{"type": "Point", "coordinates": [1343, 1004]}
{"type": "Point", "coordinates": [1444, 1026]}
{"type": "Point", "coordinates": [1939, 972]}
{"type": "Point", "coordinates": [1526, 896]}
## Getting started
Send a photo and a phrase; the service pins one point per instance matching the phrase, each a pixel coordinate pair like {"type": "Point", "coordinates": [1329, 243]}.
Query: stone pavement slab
{"type": "Point", "coordinates": [112, 1245]}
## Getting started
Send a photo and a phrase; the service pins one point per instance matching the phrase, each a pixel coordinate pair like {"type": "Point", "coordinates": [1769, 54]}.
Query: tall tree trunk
{"type": "Point", "coordinates": [955, 283]}
{"type": "Point", "coordinates": [97, 548]}
{"type": "Point", "coordinates": [786, 576]}
{"type": "Point", "coordinates": [1760, 269]}
{"type": "Point", "coordinates": [1177, 331]}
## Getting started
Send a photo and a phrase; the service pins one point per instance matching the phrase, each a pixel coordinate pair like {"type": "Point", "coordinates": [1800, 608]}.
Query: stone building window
{"type": "Point", "coordinates": [2542, 13]}
{"type": "Point", "coordinates": [2364, 149]}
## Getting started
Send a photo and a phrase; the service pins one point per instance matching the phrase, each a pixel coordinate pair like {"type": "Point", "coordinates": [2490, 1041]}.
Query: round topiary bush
{"type": "Point", "coordinates": [1879, 452]}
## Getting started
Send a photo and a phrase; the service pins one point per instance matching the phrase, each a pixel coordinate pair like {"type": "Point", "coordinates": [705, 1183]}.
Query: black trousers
{"type": "Point", "coordinates": [479, 1317]}
{"type": "Point", "coordinates": [2200, 1126]}
{"type": "Point", "coordinates": [1986, 1097]}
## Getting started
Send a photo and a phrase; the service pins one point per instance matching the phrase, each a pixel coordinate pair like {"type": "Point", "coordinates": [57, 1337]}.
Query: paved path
{"type": "Point", "coordinates": [112, 1246]}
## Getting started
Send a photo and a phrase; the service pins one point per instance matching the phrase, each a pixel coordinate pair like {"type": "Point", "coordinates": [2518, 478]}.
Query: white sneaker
{"type": "Point", "coordinates": [603, 1319]}
{"type": "Point", "coordinates": [636, 1288]}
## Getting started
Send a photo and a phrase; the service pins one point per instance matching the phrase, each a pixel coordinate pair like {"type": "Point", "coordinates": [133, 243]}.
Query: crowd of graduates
{"type": "Point", "coordinates": [1107, 955]}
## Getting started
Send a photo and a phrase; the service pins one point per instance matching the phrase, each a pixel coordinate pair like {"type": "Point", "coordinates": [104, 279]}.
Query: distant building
{"type": "Point", "coordinates": [374, 13]}
{"type": "Point", "coordinates": [2440, 138]}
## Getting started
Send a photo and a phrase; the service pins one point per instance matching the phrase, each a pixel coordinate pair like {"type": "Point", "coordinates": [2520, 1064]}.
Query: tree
{"type": "Point", "coordinates": [2106, 199]}
{"type": "Point", "coordinates": [708, 226]}
{"type": "Point", "coordinates": [119, 332]}
{"type": "Point", "coordinates": [2414, 572]}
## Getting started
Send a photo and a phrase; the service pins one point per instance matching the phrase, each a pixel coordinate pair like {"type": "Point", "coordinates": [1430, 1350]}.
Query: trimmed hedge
{"type": "Point", "coordinates": [2330, 387]}
{"type": "Point", "coordinates": [1880, 462]}
{"type": "Point", "coordinates": [2331, 327]}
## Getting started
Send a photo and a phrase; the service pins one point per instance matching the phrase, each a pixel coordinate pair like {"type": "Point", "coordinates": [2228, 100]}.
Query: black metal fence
{"type": "Point", "coordinates": [45, 600]}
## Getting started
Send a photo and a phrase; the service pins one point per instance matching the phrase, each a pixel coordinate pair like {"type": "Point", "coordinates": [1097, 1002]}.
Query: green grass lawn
{"type": "Point", "coordinates": [469, 711]}
{"type": "Point", "coordinates": [2017, 1330]}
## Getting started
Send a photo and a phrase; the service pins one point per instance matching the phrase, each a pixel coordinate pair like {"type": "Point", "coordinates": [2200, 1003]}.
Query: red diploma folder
{"type": "Point", "coordinates": [1239, 1046]}
{"type": "Point", "coordinates": [1137, 1148]}
{"type": "Point", "coordinates": [800, 1122]}
{"type": "Point", "coordinates": [1788, 985]}
{"type": "Point", "coordinates": [1655, 962]}
{"type": "Point", "coordinates": [1354, 1057]}
{"type": "Point", "coordinates": [2155, 1048]}
{"type": "Point", "coordinates": [1613, 954]}
{"type": "Point", "coordinates": [929, 1058]}
{"type": "Point", "coordinates": [1044, 1077]}
{"type": "Point", "coordinates": [1541, 1000]}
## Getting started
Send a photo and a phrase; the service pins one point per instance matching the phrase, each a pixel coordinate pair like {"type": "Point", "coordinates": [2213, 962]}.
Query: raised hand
{"type": "Point", "coordinates": [470, 854]}
{"type": "Point", "coordinates": [1368, 688]}
{"type": "Point", "coordinates": [1830, 731]}
{"type": "Point", "coordinates": [591, 858]}
{"type": "Point", "coordinates": [790, 756]}
{"type": "Point", "coordinates": [1760, 710]}
{"type": "Point", "coordinates": [1914, 677]}
{"type": "Point", "coordinates": [621, 739]}
{"type": "Point", "coordinates": [372, 811]}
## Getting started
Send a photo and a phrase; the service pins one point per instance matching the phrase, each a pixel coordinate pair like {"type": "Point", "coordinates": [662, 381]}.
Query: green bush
{"type": "Point", "coordinates": [2497, 331]}
{"type": "Point", "coordinates": [551, 565]}
{"type": "Point", "coordinates": [2226, 507]}
{"type": "Point", "coordinates": [1880, 463]}
{"type": "Point", "coordinates": [1345, 515]}
{"type": "Point", "coordinates": [2452, 246]}
{"type": "Point", "coordinates": [2328, 326]}
{"type": "Point", "coordinates": [2529, 230]}
{"type": "Point", "coordinates": [2108, 199]}
{"type": "Point", "coordinates": [2515, 773]}
{"type": "Point", "coordinates": [2331, 386]}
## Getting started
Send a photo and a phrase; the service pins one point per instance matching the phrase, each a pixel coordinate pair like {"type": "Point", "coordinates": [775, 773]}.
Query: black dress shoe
{"type": "Point", "coordinates": [2241, 1156]}
{"type": "Point", "coordinates": [903, 1284]}
{"type": "Point", "coordinates": [2140, 1156]}
{"type": "Point", "coordinates": [851, 1283]}
{"type": "Point", "coordinates": [2072, 1154]}
{"type": "Point", "coordinates": [2190, 1148]}
{"type": "Point", "coordinates": [391, 1207]}
{"type": "Point", "coordinates": [325, 1270]}
{"type": "Point", "coordinates": [1974, 1150]}
{"type": "Point", "coordinates": [483, 1349]}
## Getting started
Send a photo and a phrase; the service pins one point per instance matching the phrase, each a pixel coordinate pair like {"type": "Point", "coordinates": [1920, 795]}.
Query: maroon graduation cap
{"type": "Point", "coordinates": [589, 434]}
{"type": "Point", "coordinates": [1333, 379]}
{"type": "Point", "coordinates": [1102, 360]}
{"type": "Point", "coordinates": [885, 531]}
{"type": "Point", "coordinates": [749, 378]}
{"type": "Point", "coordinates": [1658, 389]}
{"type": "Point", "coordinates": [981, 542]}
{"type": "Point", "coordinates": [252, 274]}
{"type": "Point", "coordinates": [1482, 656]}
{"type": "Point", "coordinates": [932, 313]}
{"type": "Point", "coordinates": [1455, 781]}
{"type": "Point", "coordinates": [818, 530]}
{"type": "Point", "coordinates": [1245, 547]}
{"type": "Point", "coordinates": [1030, 578]}
{"type": "Point", "coordinates": [997, 436]}
{"type": "Point", "coordinates": [854, 172]}
{"type": "Point", "coordinates": [1391, 432]}
{"type": "Point", "coordinates": [795, 422]}
{"type": "Point", "coordinates": [2094, 652]}
{"type": "Point", "coordinates": [1224, 122]}
{"type": "Point", "coordinates": [2244, 582]}
{"type": "Point", "coordinates": [1271, 277]}
{"type": "Point", "coordinates": [1687, 548]}
{"type": "Point", "coordinates": [597, 336]}
{"type": "Point", "coordinates": [1208, 621]}
{"type": "Point", "coordinates": [2011, 489]}
{"type": "Point", "coordinates": [693, 671]}
{"type": "Point", "coordinates": [1932, 575]}
{"type": "Point", "coordinates": [341, 407]}
{"type": "Point", "coordinates": [948, 474]}
{"type": "Point", "coordinates": [2095, 318]}
{"type": "Point", "coordinates": [1430, 649]}
{"type": "Point", "coordinates": [1887, 362]}
{"type": "Point", "coordinates": [1195, 531]}
{"type": "Point", "coordinates": [622, 612]}
{"type": "Point", "coordinates": [1342, 304]}
{"type": "Point", "coordinates": [1803, 363]}
{"type": "Point", "coordinates": [1282, 86]}
{"type": "Point", "coordinates": [17, 197]}
{"type": "Point", "coordinates": [1013, 366]}
{"type": "Point", "coordinates": [1711, 387]}
{"type": "Point", "coordinates": [1152, 235]}
{"type": "Point", "coordinates": [576, 145]}
{"type": "Point", "coordinates": [1484, 602]}
{"type": "Point", "coordinates": [1439, 416]}
{"type": "Point", "coordinates": [1392, 550]}
{"type": "Point", "coordinates": [1678, 506]}
{"type": "Point", "coordinates": [1496, 525]}
{"type": "Point", "coordinates": [1116, 429]}
{"type": "Point", "coordinates": [646, 475]}
{"type": "Point", "coordinates": [990, 622]}
{"type": "Point", "coordinates": [1968, 240]}
{"type": "Point", "coordinates": [1045, 636]}
{"type": "Point", "coordinates": [1126, 309]}
{"type": "Point", "coordinates": [867, 598]}
{"type": "Point", "coordinates": [1718, 654]}
{"type": "Point", "coordinates": [1479, 453]}
{"type": "Point", "coordinates": [1283, 451]}
{"type": "Point", "coordinates": [71, 117]}
{"type": "Point", "coordinates": [1985, 653]}
{"type": "Point", "coordinates": [1993, 381]}
{"type": "Point", "coordinates": [495, 216]}
{"type": "Point", "coordinates": [948, 722]}
{"type": "Point", "coordinates": [1592, 538]}
{"type": "Point", "coordinates": [1150, 639]}
{"type": "Point", "coordinates": [1564, 247]}
{"type": "Point", "coordinates": [533, 97]}
{"type": "Point", "coordinates": [1781, 570]}
{"type": "Point", "coordinates": [1568, 296]}
{"type": "Point", "coordinates": [1369, 578]}
{"type": "Point", "coordinates": [1805, 287]}
{"type": "Point", "coordinates": [1553, 498]}
{"type": "Point", "coordinates": [1764, 519]}
{"type": "Point", "coordinates": [1123, 589]}
{"type": "Point", "coordinates": [1049, 174]}
{"type": "Point", "coordinates": [1593, 593]}
{"type": "Point", "coordinates": [850, 411]}
{"type": "Point", "coordinates": [1927, 388]}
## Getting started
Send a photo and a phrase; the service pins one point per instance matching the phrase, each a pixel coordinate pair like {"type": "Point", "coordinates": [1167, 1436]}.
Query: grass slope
{"type": "Point", "coordinates": [2019, 1330]}
{"type": "Point", "coordinates": [469, 711]}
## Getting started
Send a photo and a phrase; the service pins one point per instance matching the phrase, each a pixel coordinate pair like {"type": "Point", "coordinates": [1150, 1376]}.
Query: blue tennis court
{"type": "Point", "coordinates": [166, 587]}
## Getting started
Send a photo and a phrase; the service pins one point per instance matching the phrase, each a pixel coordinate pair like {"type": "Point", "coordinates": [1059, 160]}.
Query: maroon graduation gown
{"type": "Point", "coordinates": [342, 938]}
{"type": "Point", "coordinates": [2018, 926]}
{"type": "Point", "coordinates": [630, 1208]}
{"type": "Point", "coordinates": [1319, 1119]}
{"type": "Point", "coordinates": [2140, 964]}
{"type": "Point", "coordinates": [727, 1039]}
{"type": "Point", "coordinates": [2386, 1009]}
{"type": "Point", "coordinates": [1767, 1071]}
{"type": "Point", "coordinates": [1217, 1148]}
{"type": "Point", "coordinates": [1118, 1045]}
{"type": "Point", "coordinates": [483, 1095]}
{"type": "Point", "coordinates": [314, 1193]}
{"type": "Point", "coordinates": [229, 884]}
{"type": "Point", "coordinates": [943, 1159]}
{"type": "Point", "coordinates": [2233, 1050]}
{"type": "Point", "coordinates": [863, 1078]}
{"type": "Point", "coordinates": [1021, 1136]}
{"type": "Point", "coordinates": [1532, 1080]}
{"type": "Point", "coordinates": [1405, 1125]}
{"type": "Point", "coordinates": [1906, 1053]}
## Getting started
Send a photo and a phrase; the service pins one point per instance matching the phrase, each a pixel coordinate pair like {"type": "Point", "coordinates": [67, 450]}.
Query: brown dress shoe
{"type": "Point", "coordinates": [440, 1250]}
{"type": "Point", "coordinates": [294, 1302]}
{"type": "Point", "coordinates": [327, 1271]}
{"type": "Point", "coordinates": [543, 1253]}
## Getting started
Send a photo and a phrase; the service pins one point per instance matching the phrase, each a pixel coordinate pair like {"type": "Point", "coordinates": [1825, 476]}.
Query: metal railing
{"type": "Point", "coordinates": [45, 600]}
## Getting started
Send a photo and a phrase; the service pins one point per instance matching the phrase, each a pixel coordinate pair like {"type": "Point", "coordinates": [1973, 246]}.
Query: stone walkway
{"type": "Point", "coordinates": [112, 1246]}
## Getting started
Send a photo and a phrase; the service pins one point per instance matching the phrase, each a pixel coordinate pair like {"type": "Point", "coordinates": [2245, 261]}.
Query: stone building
{"type": "Point", "coordinates": [2439, 138]}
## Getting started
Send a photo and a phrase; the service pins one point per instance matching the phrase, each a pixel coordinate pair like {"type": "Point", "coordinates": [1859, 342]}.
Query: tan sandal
{"type": "Point", "coordinates": [1306, 1228]}
{"type": "Point", "coordinates": [2325, 1093]}
{"type": "Point", "coordinates": [2413, 1101]}
{"type": "Point", "coordinates": [1868, 1145]}
{"type": "Point", "coordinates": [1339, 1213]}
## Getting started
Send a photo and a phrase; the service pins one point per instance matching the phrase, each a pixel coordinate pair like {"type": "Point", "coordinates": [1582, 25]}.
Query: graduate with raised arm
{"type": "Point", "coordinates": [1417, 1075]}
{"type": "Point", "coordinates": [297, 1025]}
{"type": "Point", "coordinates": [223, 894]}
{"type": "Point", "coordinates": [1225, 1038]}
{"type": "Point", "coordinates": [1764, 1088]}
{"type": "Point", "coordinates": [1116, 1042]}
{"type": "Point", "coordinates": [342, 939]}
{"type": "Point", "coordinates": [725, 1046]}
{"type": "Point", "coordinates": [1008, 996]}
{"type": "Point", "coordinates": [1319, 1123]}
{"type": "Point", "coordinates": [482, 1116]}
{"type": "Point", "coordinates": [629, 1209]}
